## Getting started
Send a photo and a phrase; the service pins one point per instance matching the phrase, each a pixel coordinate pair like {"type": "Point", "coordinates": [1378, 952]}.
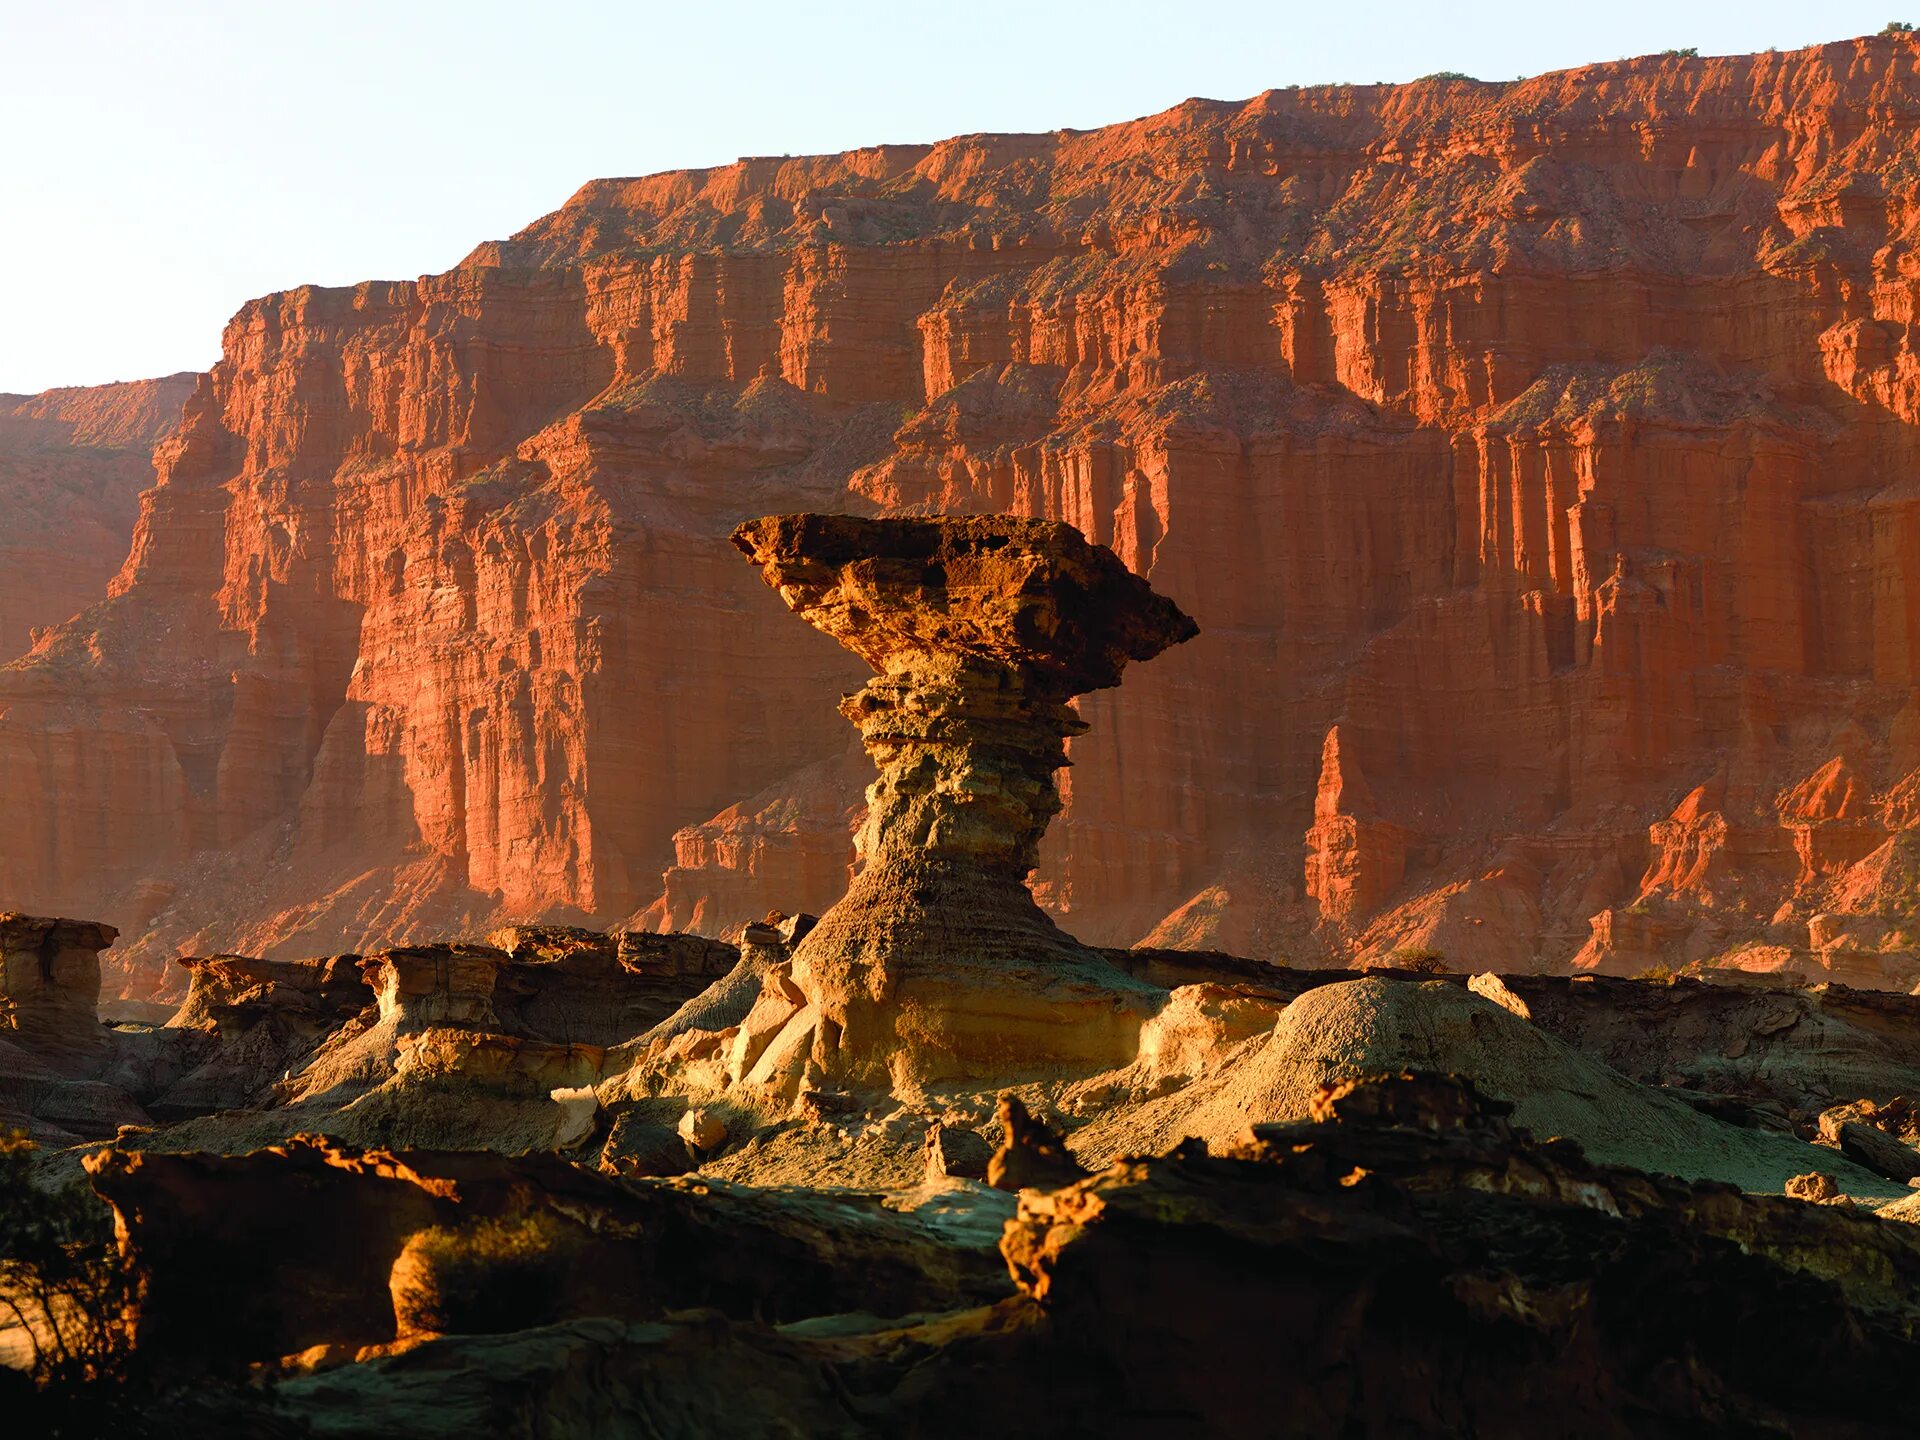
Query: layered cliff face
{"type": "Point", "coordinates": [72, 466]}
{"type": "Point", "coordinates": [1550, 441]}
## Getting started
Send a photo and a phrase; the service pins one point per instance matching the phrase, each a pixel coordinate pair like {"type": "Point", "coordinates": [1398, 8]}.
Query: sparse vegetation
{"type": "Point", "coordinates": [488, 1277]}
{"type": "Point", "coordinates": [1662, 974]}
{"type": "Point", "coordinates": [63, 1286]}
{"type": "Point", "coordinates": [1809, 249]}
{"type": "Point", "coordinates": [1692, 52]}
{"type": "Point", "coordinates": [1419, 959]}
{"type": "Point", "coordinates": [1451, 75]}
{"type": "Point", "coordinates": [1897, 27]}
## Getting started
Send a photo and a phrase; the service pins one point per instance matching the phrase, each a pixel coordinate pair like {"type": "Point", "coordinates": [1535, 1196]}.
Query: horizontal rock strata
{"type": "Point", "coordinates": [1549, 440]}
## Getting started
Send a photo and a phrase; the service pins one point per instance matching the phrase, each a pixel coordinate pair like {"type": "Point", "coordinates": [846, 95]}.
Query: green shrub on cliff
{"type": "Point", "coordinates": [1419, 959]}
{"type": "Point", "coordinates": [487, 1277]}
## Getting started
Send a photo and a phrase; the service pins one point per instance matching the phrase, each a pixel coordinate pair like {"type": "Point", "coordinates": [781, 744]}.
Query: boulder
{"type": "Point", "coordinates": [956, 1153]}
{"type": "Point", "coordinates": [703, 1130]}
{"type": "Point", "coordinates": [1851, 1131]}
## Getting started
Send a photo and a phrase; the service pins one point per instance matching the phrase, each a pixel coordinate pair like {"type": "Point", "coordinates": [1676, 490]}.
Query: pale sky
{"type": "Point", "coordinates": [165, 162]}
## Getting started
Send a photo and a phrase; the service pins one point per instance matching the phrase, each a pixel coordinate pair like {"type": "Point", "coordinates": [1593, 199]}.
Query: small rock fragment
{"type": "Point", "coordinates": [1776, 1021]}
{"type": "Point", "coordinates": [814, 1106]}
{"type": "Point", "coordinates": [954, 1153]}
{"type": "Point", "coordinates": [792, 929]}
{"type": "Point", "coordinates": [703, 1130]}
{"type": "Point", "coordinates": [1031, 1157]}
{"type": "Point", "coordinates": [640, 1147]}
{"type": "Point", "coordinates": [1817, 1188]}
{"type": "Point", "coordinates": [1489, 986]}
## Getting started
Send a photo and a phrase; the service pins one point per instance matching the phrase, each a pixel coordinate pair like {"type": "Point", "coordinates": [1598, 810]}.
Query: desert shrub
{"type": "Point", "coordinates": [486, 1278]}
{"type": "Point", "coordinates": [1692, 52]}
{"type": "Point", "coordinates": [1662, 974]}
{"type": "Point", "coordinates": [1897, 27]}
{"type": "Point", "coordinates": [64, 1290]}
{"type": "Point", "coordinates": [1419, 959]}
{"type": "Point", "coordinates": [1449, 75]}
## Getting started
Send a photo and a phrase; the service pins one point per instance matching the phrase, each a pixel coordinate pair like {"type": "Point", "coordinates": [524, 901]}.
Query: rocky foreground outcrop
{"type": "Point", "coordinates": [397, 1246]}
{"type": "Point", "coordinates": [1403, 1262]}
{"type": "Point", "coordinates": [1533, 456]}
{"type": "Point", "coordinates": [1279, 1202]}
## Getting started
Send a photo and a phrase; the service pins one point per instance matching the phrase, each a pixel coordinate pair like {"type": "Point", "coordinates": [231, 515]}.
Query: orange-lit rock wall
{"type": "Point", "coordinates": [1553, 440]}
{"type": "Point", "coordinates": [72, 465]}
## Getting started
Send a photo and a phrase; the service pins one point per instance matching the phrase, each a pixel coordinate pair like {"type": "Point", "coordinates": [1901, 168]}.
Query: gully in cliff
{"type": "Point", "coordinates": [938, 963]}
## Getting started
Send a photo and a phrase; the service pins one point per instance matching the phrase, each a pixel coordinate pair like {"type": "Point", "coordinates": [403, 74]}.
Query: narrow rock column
{"type": "Point", "coordinates": [937, 963]}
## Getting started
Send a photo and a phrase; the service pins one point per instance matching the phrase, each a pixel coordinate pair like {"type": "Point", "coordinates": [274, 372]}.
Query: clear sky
{"type": "Point", "coordinates": [166, 161]}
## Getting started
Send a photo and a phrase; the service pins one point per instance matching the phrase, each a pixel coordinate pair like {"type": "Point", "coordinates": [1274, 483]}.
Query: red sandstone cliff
{"type": "Point", "coordinates": [1553, 440]}
{"type": "Point", "coordinates": [72, 465]}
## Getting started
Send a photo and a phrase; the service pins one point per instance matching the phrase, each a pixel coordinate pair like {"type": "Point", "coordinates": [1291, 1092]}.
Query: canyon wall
{"type": "Point", "coordinates": [1536, 457]}
{"type": "Point", "coordinates": [72, 465]}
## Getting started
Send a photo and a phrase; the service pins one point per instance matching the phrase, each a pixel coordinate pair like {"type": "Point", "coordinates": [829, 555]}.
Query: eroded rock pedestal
{"type": "Point", "coordinates": [53, 1048]}
{"type": "Point", "coordinates": [938, 962]}
{"type": "Point", "coordinates": [50, 986]}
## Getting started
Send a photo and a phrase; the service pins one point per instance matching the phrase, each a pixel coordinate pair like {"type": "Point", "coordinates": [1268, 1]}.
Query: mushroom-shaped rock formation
{"type": "Point", "coordinates": [937, 963]}
{"type": "Point", "coordinates": [50, 988]}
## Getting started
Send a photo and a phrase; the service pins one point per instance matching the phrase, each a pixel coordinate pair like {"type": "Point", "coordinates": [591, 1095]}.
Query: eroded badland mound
{"type": "Point", "coordinates": [1535, 457]}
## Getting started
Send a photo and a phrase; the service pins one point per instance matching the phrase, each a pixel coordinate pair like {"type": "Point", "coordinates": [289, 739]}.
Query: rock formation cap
{"type": "Point", "coordinates": [1031, 595]}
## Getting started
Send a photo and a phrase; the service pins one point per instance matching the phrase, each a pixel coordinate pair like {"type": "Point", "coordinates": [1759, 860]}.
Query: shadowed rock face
{"type": "Point", "coordinates": [1405, 1262]}
{"type": "Point", "coordinates": [50, 987]}
{"type": "Point", "coordinates": [222, 1241]}
{"type": "Point", "coordinates": [981, 630]}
